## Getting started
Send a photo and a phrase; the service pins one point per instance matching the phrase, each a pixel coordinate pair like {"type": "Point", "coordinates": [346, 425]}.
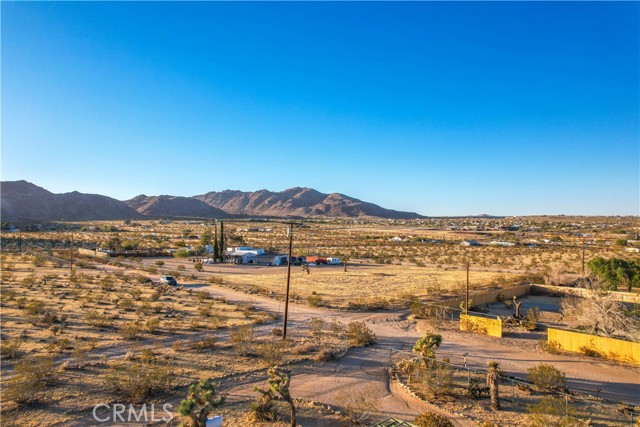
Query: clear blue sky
{"type": "Point", "coordinates": [440, 108]}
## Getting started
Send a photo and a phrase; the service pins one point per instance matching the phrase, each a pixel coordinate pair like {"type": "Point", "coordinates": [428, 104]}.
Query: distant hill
{"type": "Point", "coordinates": [26, 201]}
{"type": "Point", "coordinates": [161, 206]}
{"type": "Point", "coordinates": [298, 202]}
{"type": "Point", "coordinates": [22, 200]}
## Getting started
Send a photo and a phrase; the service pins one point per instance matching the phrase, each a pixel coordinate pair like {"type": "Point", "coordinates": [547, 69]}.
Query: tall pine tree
{"type": "Point", "coordinates": [221, 239]}
{"type": "Point", "coordinates": [216, 249]}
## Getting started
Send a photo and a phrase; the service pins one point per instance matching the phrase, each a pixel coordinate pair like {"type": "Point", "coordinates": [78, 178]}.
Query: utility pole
{"type": "Point", "coordinates": [286, 298]}
{"type": "Point", "coordinates": [583, 251]}
{"type": "Point", "coordinates": [71, 262]}
{"type": "Point", "coordinates": [466, 301]}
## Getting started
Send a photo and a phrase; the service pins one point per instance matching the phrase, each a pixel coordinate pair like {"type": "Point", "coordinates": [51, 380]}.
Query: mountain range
{"type": "Point", "coordinates": [22, 200]}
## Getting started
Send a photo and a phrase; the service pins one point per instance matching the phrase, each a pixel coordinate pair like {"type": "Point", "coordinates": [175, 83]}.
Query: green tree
{"type": "Point", "coordinates": [427, 345]}
{"type": "Point", "coordinates": [616, 272]}
{"type": "Point", "coordinates": [216, 248]}
{"type": "Point", "coordinates": [200, 402]}
{"type": "Point", "coordinates": [205, 239]}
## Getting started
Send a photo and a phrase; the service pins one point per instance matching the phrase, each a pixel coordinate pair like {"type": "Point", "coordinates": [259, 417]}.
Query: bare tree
{"type": "Point", "coordinates": [601, 314]}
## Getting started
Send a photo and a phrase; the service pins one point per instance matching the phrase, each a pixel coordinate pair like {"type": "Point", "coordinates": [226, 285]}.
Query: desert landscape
{"type": "Point", "coordinates": [319, 214]}
{"type": "Point", "coordinates": [80, 327]}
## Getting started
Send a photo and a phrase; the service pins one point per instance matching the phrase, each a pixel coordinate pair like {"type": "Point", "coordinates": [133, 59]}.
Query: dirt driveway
{"type": "Point", "coordinates": [396, 335]}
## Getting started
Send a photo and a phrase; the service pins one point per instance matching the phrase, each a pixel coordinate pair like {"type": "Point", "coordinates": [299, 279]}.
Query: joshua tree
{"type": "Point", "coordinates": [427, 345]}
{"type": "Point", "coordinates": [493, 381]}
{"type": "Point", "coordinates": [517, 305]}
{"type": "Point", "coordinates": [279, 383]}
{"type": "Point", "coordinates": [199, 403]}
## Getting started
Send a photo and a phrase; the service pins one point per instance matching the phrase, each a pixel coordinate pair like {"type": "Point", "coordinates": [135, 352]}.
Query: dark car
{"type": "Point", "coordinates": [169, 280]}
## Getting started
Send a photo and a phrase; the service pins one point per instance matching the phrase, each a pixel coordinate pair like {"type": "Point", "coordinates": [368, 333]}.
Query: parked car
{"type": "Point", "coordinates": [169, 280]}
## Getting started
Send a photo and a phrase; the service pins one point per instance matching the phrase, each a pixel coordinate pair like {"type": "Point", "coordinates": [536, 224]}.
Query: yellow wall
{"type": "Point", "coordinates": [611, 348]}
{"type": "Point", "coordinates": [487, 297]}
{"type": "Point", "coordinates": [481, 325]}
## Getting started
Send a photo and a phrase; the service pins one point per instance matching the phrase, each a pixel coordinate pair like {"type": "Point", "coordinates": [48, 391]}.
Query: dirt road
{"type": "Point", "coordinates": [396, 336]}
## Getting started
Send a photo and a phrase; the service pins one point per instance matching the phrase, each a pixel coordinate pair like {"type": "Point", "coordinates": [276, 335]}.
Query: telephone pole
{"type": "Point", "coordinates": [71, 256]}
{"type": "Point", "coordinates": [286, 298]}
{"type": "Point", "coordinates": [583, 251]}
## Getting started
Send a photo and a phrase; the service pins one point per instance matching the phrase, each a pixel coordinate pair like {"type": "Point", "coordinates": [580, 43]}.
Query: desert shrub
{"type": "Point", "coordinates": [206, 343]}
{"type": "Point", "coordinates": [159, 263]}
{"type": "Point", "coordinates": [431, 419]}
{"type": "Point", "coordinates": [477, 390]}
{"type": "Point", "coordinates": [202, 296]}
{"type": "Point", "coordinates": [137, 380]}
{"type": "Point", "coordinates": [126, 304]}
{"type": "Point", "coordinates": [152, 324]}
{"type": "Point", "coordinates": [34, 308]}
{"type": "Point", "coordinates": [271, 352]}
{"type": "Point", "coordinates": [316, 328]}
{"type": "Point", "coordinates": [10, 348]}
{"type": "Point", "coordinates": [30, 376]}
{"type": "Point", "coordinates": [8, 294]}
{"type": "Point", "coordinates": [198, 266]}
{"type": "Point", "coordinates": [325, 355]}
{"type": "Point", "coordinates": [215, 280]}
{"type": "Point", "coordinates": [533, 315]}
{"type": "Point", "coordinates": [277, 332]}
{"type": "Point", "coordinates": [437, 378]}
{"type": "Point", "coordinates": [304, 348]}
{"type": "Point", "coordinates": [182, 253]}
{"type": "Point", "coordinates": [314, 300]}
{"type": "Point", "coordinates": [79, 357]}
{"type": "Point", "coordinates": [589, 351]}
{"type": "Point", "coordinates": [359, 334]}
{"type": "Point", "coordinates": [130, 330]}
{"type": "Point", "coordinates": [107, 284]}
{"type": "Point", "coordinates": [242, 339]}
{"type": "Point", "coordinates": [97, 319]}
{"type": "Point", "coordinates": [204, 310]}
{"type": "Point", "coordinates": [547, 377]}
{"type": "Point", "coordinates": [61, 345]}
{"type": "Point", "coordinates": [552, 412]}
{"type": "Point", "coordinates": [550, 347]}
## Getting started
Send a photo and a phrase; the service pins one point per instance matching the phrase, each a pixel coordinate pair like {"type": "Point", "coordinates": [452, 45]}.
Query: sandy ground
{"type": "Point", "coordinates": [397, 336]}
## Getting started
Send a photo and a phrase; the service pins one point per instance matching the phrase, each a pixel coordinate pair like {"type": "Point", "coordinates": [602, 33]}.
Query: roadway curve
{"type": "Point", "coordinates": [396, 336]}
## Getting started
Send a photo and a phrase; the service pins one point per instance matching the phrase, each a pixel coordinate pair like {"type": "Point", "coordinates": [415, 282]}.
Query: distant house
{"type": "Point", "coordinates": [271, 258]}
{"type": "Point", "coordinates": [243, 254]}
{"type": "Point", "coordinates": [470, 243]}
{"type": "Point", "coordinates": [333, 261]}
{"type": "Point", "coordinates": [241, 257]}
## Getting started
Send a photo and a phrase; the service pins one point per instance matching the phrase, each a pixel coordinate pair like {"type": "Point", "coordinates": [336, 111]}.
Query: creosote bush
{"type": "Point", "coordinates": [30, 376]}
{"type": "Point", "coordinates": [360, 335]}
{"type": "Point", "coordinates": [547, 377]}
{"type": "Point", "coordinates": [431, 419]}
{"type": "Point", "coordinates": [136, 380]}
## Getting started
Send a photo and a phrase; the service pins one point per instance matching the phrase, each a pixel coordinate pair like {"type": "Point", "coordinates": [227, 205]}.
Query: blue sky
{"type": "Point", "coordinates": [441, 108]}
